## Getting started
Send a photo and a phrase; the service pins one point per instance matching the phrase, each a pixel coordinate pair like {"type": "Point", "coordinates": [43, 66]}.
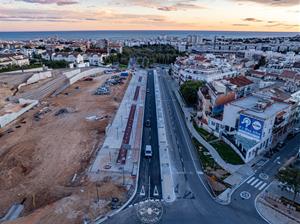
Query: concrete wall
{"type": "Point", "coordinates": [39, 76]}
{"type": "Point", "coordinates": [85, 74]}
{"type": "Point", "coordinates": [72, 73]}
{"type": "Point", "coordinates": [10, 117]}
{"type": "Point", "coordinates": [26, 70]}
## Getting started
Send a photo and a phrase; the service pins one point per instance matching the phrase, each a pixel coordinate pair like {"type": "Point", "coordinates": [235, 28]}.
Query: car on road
{"type": "Point", "coordinates": [148, 151]}
{"type": "Point", "coordinates": [148, 123]}
{"type": "Point", "coordinates": [148, 90]}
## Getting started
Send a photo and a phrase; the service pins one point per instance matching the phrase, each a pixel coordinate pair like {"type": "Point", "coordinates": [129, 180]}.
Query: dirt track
{"type": "Point", "coordinates": [39, 159]}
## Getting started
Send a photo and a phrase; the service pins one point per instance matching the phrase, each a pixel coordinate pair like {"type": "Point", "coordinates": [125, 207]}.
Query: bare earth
{"type": "Point", "coordinates": [39, 159]}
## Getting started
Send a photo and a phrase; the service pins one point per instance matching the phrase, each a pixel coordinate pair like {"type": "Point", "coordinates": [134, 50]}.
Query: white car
{"type": "Point", "coordinates": [148, 151]}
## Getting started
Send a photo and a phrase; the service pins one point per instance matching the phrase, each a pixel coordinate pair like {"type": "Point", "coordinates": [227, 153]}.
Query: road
{"type": "Point", "coordinates": [149, 185]}
{"type": "Point", "coordinates": [194, 203]}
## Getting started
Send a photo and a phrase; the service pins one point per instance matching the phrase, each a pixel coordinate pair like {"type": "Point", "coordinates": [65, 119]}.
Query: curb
{"type": "Point", "coordinates": [255, 202]}
{"type": "Point", "coordinates": [101, 220]}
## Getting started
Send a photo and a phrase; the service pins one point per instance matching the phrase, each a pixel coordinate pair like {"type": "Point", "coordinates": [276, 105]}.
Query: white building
{"type": "Point", "coordinates": [252, 122]}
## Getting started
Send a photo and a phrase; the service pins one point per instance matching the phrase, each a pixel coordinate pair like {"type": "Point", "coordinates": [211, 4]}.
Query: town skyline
{"type": "Point", "coordinates": [71, 15]}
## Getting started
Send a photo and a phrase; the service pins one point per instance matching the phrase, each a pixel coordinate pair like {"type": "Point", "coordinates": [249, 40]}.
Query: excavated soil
{"type": "Point", "coordinates": [41, 152]}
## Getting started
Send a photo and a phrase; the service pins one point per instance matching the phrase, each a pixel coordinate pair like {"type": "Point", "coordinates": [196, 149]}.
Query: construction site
{"type": "Point", "coordinates": [46, 151]}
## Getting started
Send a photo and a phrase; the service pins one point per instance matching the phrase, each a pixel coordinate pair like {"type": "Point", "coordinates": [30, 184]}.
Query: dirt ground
{"type": "Point", "coordinates": [40, 157]}
{"type": "Point", "coordinates": [5, 92]}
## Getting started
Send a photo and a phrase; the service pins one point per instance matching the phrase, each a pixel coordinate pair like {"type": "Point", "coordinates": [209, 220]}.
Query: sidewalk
{"type": "Point", "coordinates": [269, 206]}
{"type": "Point", "coordinates": [226, 166]}
{"type": "Point", "coordinates": [105, 163]}
{"type": "Point", "coordinates": [168, 192]}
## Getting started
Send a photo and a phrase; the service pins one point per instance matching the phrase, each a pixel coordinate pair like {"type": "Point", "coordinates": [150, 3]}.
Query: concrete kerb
{"type": "Point", "coordinates": [255, 204]}
{"type": "Point", "coordinates": [216, 198]}
{"type": "Point", "coordinates": [101, 220]}
{"type": "Point", "coordinates": [209, 192]}
{"type": "Point", "coordinates": [159, 110]}
{"type": "Point", "coordinates": [233, 190]}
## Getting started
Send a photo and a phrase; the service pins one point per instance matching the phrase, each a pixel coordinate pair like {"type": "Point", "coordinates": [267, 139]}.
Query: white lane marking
{"type": "Point", "coordinates": [262, 186]}
{"type": "Point", "coordinates": [155, 193]}
{"type": "Point", "coordinates": [143, 193]}
{"type": "Point", "coordinates": [259, 183]}
{"type": "Point", "coordinates": [254, 182]}
{"type": "Point", "coordinates": [251, 179]}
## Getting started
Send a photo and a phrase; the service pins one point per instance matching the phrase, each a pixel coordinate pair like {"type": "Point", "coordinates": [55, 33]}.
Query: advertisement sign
{"type": "Point", "coordinates": [251, 126]}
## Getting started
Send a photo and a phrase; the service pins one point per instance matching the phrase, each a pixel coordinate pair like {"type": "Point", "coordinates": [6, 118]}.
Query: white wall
{"type": "Point", "coordinates": [39, 76]}
{"type": "Point", "coordinates": [72, 73]}
{"type": "Point", "coordinates": [85, 74]}
{"type": "Point", "coordinates": [10, 117]}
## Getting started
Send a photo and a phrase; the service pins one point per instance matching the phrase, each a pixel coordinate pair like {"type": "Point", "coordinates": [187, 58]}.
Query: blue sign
{"type": "Point", "coordinates": [251, 126]}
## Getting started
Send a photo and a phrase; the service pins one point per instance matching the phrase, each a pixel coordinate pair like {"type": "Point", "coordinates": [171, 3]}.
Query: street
{"type": "Point", "coordinates": [149, 184]}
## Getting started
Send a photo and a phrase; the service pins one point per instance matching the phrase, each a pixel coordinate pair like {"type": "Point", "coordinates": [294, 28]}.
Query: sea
{"type": "Point", "coordinates": [134, 34]}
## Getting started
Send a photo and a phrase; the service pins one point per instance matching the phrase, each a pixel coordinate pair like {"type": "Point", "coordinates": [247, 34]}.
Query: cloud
{"type": "Point", "coordinates": [96, 17]}
{"type": "Point", "coordinates": [252, 20]}
{"type": "Point", "coordinates": [58, 2]}
{"type": "Point", "coordinates": [180, 6]}
{"type": "Point", "coordinates": [166, 5]}
{"type": "Point", "coordinates": [273, 2]}
{"type": "Point", "coordinates": [240, 24]}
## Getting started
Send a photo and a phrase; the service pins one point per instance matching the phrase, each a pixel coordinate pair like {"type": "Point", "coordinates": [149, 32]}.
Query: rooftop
{"type": "Point", "coordinates": [259, 107]}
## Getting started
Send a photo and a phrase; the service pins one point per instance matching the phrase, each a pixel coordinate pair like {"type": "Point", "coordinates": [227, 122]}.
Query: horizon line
{"type": "Point", "coordinates": [127, 30]}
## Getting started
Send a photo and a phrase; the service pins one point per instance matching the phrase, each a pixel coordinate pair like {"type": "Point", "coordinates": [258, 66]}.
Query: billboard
{"type": "Point", "coordinates": [251, 126]}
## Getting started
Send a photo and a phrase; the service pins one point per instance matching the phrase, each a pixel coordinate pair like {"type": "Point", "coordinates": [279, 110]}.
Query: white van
{"type": "Point", "coordinates": [148, 151]}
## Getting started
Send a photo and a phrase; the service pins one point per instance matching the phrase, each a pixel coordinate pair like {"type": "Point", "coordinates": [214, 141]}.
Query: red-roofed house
{"type": "Point", "coordinates": [291, 76]}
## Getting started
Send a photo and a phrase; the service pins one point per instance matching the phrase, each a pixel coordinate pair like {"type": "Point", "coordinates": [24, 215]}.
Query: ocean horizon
{"type": "Point", "coordinates": [129, 34]}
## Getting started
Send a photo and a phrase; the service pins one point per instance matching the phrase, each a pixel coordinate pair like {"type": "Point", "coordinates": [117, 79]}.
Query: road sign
{"type": "Point", "coordinates": [142, 193]}
{"type": "Point", "coordinates": [155, 192]}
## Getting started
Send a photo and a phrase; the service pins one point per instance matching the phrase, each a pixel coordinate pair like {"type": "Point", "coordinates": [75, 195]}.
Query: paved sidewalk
{"type": "Point", "coordinates": [269, 206]}
{"type": "Point", "coordinates": [105, 161]}
{"type": "Point", "coordinates": [165, 163]}
{"type": "Point", "coordinates": [187, 111]}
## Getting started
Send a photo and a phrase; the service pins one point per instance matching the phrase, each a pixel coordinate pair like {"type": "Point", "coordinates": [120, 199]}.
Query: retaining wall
{"type": "Point", "coordinates": [85, 74]}
{"type": "Point", "coordinates": [72, 73]}
{"type": "Point", "coordinates": [10, 117]}
{"type": "Point", "coordinates": [39, 76]}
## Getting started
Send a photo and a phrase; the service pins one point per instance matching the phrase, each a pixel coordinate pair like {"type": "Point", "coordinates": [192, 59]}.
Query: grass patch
{"type": "Point", "coordinates": [122, 66]}
{"type": "Point", "coordinates": [227, 153]}
{"type": "Point", "coordinates": [205, 134]}
{"type": "Point", "coordinates": [205, 158]}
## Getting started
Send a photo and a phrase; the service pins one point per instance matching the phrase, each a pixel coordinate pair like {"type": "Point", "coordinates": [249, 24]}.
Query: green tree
{"type": "Point", "coordinates": [291, 178]}
{"type": "Point", "coordinates": [189, 91]}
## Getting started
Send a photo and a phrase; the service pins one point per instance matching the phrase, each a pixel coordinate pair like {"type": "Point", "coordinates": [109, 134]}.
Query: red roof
{"type": "Point", "coordinates": [288, 74]}
{"type": "Point", "coordinates": [240, 81]}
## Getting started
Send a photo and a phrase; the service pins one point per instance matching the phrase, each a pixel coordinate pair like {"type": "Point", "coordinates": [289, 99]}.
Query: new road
{"type": "Point", "coordinates": [149, 183]}
{"type": "Point", "coordinates": [194, 203]}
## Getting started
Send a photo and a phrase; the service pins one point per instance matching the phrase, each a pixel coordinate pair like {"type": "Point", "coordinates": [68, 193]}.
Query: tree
{"type": "Point", "coordinates": [290, 177]}
{"type": "Point", "coordinates": [189, 91]}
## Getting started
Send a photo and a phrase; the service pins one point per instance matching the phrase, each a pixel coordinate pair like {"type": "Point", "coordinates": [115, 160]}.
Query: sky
{"type": "Point", "coordinates": [229, 15]}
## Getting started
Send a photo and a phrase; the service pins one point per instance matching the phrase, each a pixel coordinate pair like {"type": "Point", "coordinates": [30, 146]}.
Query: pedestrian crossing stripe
{"type": "Point", "coordinates": [257, 183]}
{"type": "Point", "coordinates": [143, 193]}
{"type": "Point", "coordinates": [250, 180]}
{"type": "Point", "coordinates": [262, 186]}
{"type": "Point", "coordinates": [254, 182]}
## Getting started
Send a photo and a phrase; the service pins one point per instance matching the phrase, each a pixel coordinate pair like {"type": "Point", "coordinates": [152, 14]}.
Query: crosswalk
{"type": "Point", "coordinates": [257, 183]}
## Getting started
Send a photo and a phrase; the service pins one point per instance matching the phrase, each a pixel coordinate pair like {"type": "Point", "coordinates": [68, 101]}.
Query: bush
{"type": "Point", "coordinates": [189, 91]}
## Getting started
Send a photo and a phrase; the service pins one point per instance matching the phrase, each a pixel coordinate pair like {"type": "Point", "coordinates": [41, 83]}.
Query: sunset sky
{"type": "Point", "coordinates": [240, 15]}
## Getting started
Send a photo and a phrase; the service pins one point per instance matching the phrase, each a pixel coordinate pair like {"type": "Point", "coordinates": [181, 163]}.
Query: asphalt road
{"type": "Point", "coordinates": [149, 185]}
{"type": "Point", "coordinates": [194, 203]}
